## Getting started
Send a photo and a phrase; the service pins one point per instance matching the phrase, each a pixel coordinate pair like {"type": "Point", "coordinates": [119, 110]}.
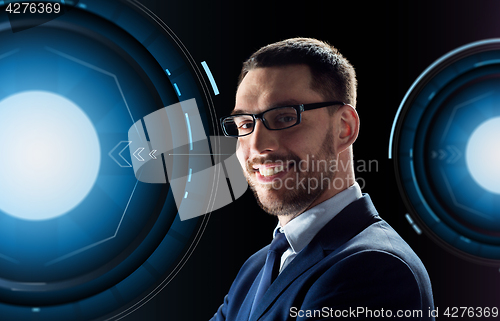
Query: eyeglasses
{"type": "Point", "coordinates": [278, 118]}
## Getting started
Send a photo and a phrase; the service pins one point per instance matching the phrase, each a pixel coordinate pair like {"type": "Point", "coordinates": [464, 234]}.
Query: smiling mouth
{"type": "Point", "coordinates": [270, 171]}
{"type": "Point", "coordinates": [266, 173]}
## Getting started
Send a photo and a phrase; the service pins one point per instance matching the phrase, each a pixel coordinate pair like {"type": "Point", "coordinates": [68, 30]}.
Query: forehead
{"type": "Point", "coordinates": [264, 88]}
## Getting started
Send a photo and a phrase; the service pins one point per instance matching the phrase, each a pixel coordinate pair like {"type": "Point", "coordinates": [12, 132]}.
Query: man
{"type": "Point", "coordinates": [332, 255]}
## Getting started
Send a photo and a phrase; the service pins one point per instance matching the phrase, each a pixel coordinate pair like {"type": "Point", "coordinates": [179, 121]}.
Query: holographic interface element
{"type": "Point", "coordinates": [65, 147]}
{"type": "Point", "coordinates": [186, 161]}
{"type": "Point", "coordinates": [445, 143]}
{"type": "Point", "coordinates": [107, 163]}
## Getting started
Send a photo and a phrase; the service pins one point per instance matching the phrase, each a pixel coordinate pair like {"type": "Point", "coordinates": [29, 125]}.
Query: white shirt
{"type": "Point", "coordinates": [302, 229]}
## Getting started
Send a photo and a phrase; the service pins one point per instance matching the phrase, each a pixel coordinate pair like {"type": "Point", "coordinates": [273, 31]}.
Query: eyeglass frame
{"type": "Point", "coordinates": [298, 108]}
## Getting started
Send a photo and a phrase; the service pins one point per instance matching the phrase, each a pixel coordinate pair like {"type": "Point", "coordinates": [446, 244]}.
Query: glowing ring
{"type": "Point", "coordinates": [434, 123]}
{"type": "Point", "coordinates": [73, 282]}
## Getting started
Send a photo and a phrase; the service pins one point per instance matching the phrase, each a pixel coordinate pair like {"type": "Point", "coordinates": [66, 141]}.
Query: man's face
{"type": "Point", "coordinates": [286, 169]}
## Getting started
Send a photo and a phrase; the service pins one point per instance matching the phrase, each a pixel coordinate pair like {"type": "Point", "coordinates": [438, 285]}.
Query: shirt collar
{"type": "Point", "coordinates": [301, 230]}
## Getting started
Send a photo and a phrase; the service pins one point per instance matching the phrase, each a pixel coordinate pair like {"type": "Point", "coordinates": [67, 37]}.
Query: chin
{"type": "Point", "coordinates": [271, 196]}
{"type": "Point", "coordinates": [278, 202]}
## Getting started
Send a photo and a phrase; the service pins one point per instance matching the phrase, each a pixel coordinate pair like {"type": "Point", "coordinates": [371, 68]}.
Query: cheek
{"type": "Point", "coordinates": [310, 143]}
{"type": "Point", "coordinates": [241, 155]}
{"type": "Point", "coordinates": [305, 134]}
{"type": "Point", "coordinates": [299, 144]}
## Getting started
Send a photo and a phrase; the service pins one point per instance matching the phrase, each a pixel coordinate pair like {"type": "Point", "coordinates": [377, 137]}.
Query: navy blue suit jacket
{"type": "Point", "coordinates": [356, 261]}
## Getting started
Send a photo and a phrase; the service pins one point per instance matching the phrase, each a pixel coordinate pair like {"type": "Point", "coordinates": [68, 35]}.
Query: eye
{"type": "Point", "coordinates": [245, 125]}
{"type": "Point", "coordinates": [286, 118]}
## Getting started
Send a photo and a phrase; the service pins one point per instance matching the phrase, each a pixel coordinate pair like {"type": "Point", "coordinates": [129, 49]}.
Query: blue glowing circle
{"type": "Point", "coordinates": [446, 151]}
{"type": "Point", "coordinates": [483, 155]}
{"type": "Point", "coordinates": [53, 155]}
{"type": "Point", "coordinates": [124, 241]}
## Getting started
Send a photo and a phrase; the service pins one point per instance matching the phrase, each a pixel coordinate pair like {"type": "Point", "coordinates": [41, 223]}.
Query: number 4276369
{"type": "Point", "coordinates": [471, 312]}
{"type": "Point", "coordinates": [33, 7]}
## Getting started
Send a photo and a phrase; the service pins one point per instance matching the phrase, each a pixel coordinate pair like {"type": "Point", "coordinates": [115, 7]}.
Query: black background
{"type": "Point", "coordinates": [390, 44]}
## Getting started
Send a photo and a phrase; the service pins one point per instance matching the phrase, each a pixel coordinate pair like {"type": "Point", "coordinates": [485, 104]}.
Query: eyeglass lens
{"type": "Point", "coordinates": [277, 118]}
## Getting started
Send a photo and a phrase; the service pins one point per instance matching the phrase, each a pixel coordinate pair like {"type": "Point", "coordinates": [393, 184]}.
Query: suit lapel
{"type": "Point", "coordinates": [298, 266]}
{"type": "Point", "coordinates": [246, 307]}
{"type": "Point", "coordinates": [345, 225]}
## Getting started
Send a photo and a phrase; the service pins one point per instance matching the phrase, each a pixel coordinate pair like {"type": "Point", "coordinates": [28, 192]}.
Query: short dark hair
{"type": "Point", "coordinates": [333, 76]}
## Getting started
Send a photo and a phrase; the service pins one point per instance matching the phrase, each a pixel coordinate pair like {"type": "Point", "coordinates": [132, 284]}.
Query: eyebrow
{"type": "Point", "coordinates": [284, 103]}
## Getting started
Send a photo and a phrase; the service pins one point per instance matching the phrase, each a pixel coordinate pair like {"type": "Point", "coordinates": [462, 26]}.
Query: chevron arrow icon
{"type": "Point", "coordinates": [119, 159]}
{"type": "Point", "coordinates": [137, 152]}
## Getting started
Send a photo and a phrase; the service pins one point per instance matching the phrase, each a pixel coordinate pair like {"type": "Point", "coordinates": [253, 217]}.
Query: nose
{"type": "Point", "coordinates": [262, 141]}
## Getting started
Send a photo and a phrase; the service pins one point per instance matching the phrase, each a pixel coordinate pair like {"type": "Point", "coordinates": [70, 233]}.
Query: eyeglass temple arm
{"type": "Point", "coordinates": [305, 107]}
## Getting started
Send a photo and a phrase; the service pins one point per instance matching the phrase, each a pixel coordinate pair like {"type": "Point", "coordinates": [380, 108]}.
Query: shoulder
{"type": "Point", "coordinates": [377, 267]}
{"type": "Point", "coordinates": [381, 242]}
{"type": "Point", "coordinates": [358, 232]}
{"type": "Point", "coordinates": [368, 279]}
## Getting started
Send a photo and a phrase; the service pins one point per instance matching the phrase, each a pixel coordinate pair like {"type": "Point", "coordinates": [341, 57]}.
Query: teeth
{"type": "Point", "coordinates": [270, 170]}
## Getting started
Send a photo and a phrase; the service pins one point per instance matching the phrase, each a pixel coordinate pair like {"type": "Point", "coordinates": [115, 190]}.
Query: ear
{"type": "Point", "coordinates": [348, 127]}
